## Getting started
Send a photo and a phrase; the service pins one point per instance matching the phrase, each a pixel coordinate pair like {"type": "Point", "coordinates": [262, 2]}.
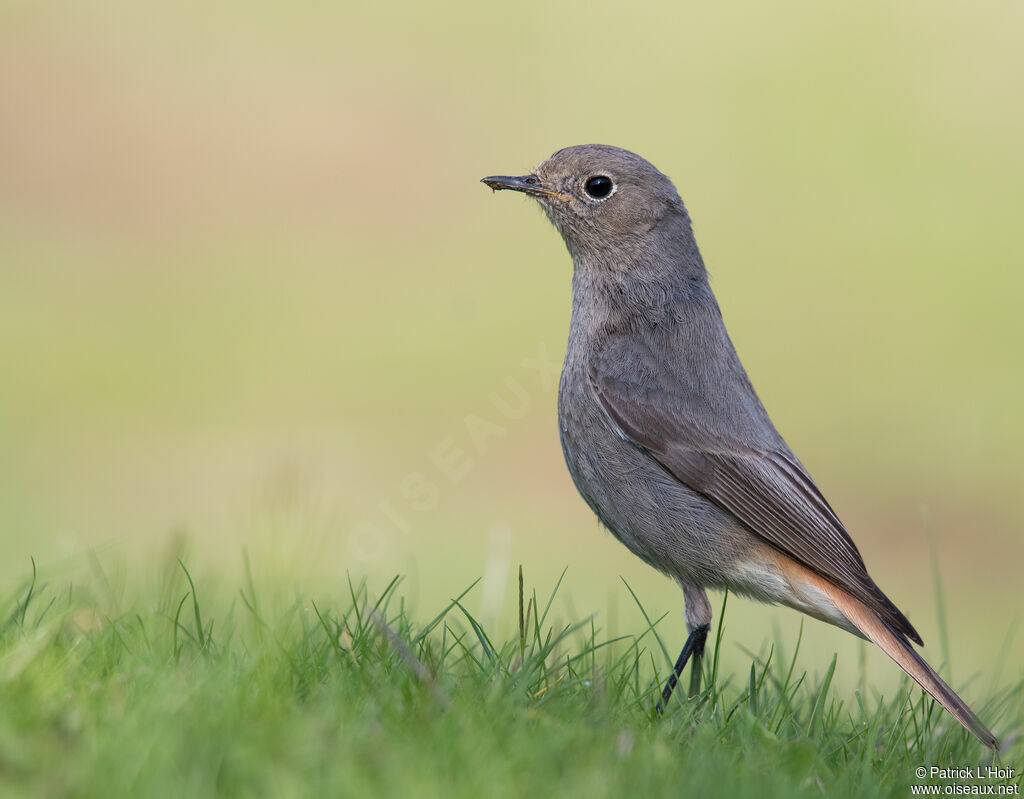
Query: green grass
{"type": "Point", "coordinates": [168, 693]}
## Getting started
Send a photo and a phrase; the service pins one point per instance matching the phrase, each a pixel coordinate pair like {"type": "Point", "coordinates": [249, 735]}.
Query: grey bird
{"type": "Point", "coordinates": [664, 435]}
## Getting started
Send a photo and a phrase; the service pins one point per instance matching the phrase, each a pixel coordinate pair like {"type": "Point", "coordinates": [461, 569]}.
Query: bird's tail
{"type": "Point", "coordinates": [900, 650]}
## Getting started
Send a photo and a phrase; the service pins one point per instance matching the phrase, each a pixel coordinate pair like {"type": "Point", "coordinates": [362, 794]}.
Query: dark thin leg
{"type": "Point", "coordinates": [694, 646]}
{"type": "Point", "coordinates": [697, 664]}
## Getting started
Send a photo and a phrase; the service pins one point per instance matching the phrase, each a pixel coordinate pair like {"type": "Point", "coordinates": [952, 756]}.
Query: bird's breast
{"type": "Point", "coordinates": [612, 474]}
{"type": "Point", "coordinates": [580, 427]}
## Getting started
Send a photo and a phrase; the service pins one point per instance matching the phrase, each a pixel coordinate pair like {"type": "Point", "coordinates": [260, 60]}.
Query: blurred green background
{"type": "Point", "coordinates": [252, 295]}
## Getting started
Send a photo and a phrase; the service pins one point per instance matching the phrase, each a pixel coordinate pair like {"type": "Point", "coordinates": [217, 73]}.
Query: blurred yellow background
{"type": "Point", "coordinates": [252, 294]}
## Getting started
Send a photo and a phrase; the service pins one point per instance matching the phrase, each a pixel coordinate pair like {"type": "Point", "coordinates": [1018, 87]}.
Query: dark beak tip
{"type": "Point", "coordinates": [495, 182]}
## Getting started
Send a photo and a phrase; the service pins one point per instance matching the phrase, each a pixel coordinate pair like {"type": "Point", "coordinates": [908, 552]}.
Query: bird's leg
{"type": "Point", "coordinates": [697, 667]}
{"type": "Point", "coordinates": [694, 646]}
{"type": "Point", "coordinates": [698, 622]}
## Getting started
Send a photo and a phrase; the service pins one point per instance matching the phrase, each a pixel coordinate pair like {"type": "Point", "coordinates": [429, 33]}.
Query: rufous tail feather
{"type": "Point", "coordinates": [900, 650]}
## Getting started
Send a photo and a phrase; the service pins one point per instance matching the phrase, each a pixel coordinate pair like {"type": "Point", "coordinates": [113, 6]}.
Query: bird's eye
{"type": "Point", "coordinates": [598, 186]}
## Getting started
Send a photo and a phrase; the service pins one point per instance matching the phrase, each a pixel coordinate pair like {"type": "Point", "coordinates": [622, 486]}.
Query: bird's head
{"type": "Point", "coordinates": [598, 196]}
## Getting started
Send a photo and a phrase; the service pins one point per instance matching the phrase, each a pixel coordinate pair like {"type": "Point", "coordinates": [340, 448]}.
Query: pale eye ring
{"type": "Point", "coordinates": [599, 187]}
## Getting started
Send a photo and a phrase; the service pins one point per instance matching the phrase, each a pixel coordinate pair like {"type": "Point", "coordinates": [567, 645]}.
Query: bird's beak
{"type": "Point", "coordinates": [528, 184]}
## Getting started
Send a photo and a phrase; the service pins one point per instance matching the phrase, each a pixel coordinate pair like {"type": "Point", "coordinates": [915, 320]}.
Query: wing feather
{"type": "Point", "coordinates": [766, 489]}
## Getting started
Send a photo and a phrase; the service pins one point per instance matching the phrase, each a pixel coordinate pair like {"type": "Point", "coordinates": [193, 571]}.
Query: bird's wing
{"type": "Point", "coordinates": [766, 488]}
